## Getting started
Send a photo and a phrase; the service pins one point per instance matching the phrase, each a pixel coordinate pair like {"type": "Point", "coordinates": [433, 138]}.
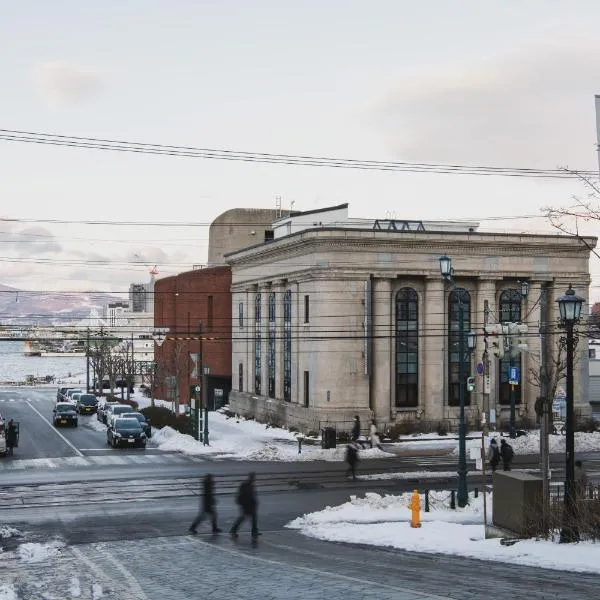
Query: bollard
{"type": "Point", "coordinates": [299, 445]}
{"type": "Point", "coordinates": [415, 506]}
{"type": "Point", "coordinates": [476, 493]}
{"type": "Point", "coordinates": [452, 500]}
{"type": "Point", "coordinates": [426, 500]}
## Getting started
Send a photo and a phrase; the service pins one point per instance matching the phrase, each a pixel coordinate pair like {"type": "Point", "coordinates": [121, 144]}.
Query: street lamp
{"type": "Point", "coordinates": [463, 492]}
{"type": "Point", "coordinates": [159, 335]}
{"type": "Point", "coordinates": [569, 306]}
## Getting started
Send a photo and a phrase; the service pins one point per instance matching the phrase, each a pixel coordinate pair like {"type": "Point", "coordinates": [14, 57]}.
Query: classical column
{"type": "Point", "coordinates": [433, 336]}
{"type": "Point", "coordinates": [382, 363]}
{"type": "Point", "coordinates": [279, 289]}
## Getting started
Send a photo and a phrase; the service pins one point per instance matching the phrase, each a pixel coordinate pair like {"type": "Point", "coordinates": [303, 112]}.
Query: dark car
{"type": "Point", "coordinates": [60, 394]}
{"type": "Point", "coordinates": [126, 432]}
{"type": "Point", "coordinates": [101, 410]}
{"type": "Point", "coordinates": [144, 422]}
{"type": "Point", "coordinates": [87, 404]}
{"type": "Point", "coordinates": [64, 413]}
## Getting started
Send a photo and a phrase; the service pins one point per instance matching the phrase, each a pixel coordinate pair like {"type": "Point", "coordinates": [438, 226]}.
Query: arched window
{"type": "Point", "coordinates": [287, 346]}
{"type": "Point", "coordinates": [510, 312]}
{"type": "Point", "coordinates": [271, 346]}
{"type": "Point", "coordinates": [257, 345]}
{"type": "Point", "coordinates": [459, 303]}
{"type": "Point", "coordinates": [407, 348]}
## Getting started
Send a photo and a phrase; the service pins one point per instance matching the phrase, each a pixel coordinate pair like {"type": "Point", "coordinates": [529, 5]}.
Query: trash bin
{"type": "Point", "coordinates": [328, 436]}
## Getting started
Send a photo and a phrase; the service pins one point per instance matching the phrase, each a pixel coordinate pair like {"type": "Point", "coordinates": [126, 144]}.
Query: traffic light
{"type": "Point", "coordinates": [522, 337]}
{"type": "Point", "coordinates": [495, 336]}
{"type": "Point", "coordinates": [470, 384]}
{"type": "Point", "coordinates": [518, 340]}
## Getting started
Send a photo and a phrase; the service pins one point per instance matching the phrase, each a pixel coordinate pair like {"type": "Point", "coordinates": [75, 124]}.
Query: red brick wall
{"type": "Point", "coordinates": [181, 302]}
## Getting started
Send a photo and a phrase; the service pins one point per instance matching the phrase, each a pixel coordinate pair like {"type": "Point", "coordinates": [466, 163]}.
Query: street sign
{"type": "Point", "coordinates": [513, 375]}
{"type": "Point", "coordinates": [480, 368]}
{"type": "Point", "coordinates": [197, 389]}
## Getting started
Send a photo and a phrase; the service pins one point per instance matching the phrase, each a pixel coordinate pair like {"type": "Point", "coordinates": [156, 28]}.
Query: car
{"type": "Point", "coordinates": [64, 413]}
{"type": "Point", "coordinates": [61, 393]}
{"type": "Point", "coordinates": [75, 397]}
{"type": "Point", "coordinates": [125, 432]}
{"type": "Point", "coordinates": [101, 410]}
{"type": "Point", "coordinates": [143, 421]}
{"type": "Point", "coordinates": [87, 404]}
{"type": "Point", "coordinates": [70, 392]}
{"type": "Point", "coordinates": [116, 410]}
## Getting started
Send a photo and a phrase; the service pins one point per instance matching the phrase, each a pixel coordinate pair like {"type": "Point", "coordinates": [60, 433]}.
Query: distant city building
{"type": "Point", "coordinates": [113, 313]}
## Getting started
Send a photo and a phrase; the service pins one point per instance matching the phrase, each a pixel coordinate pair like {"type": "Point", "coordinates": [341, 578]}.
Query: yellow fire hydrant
{"type": "Point", "coordinates": [415, 506]}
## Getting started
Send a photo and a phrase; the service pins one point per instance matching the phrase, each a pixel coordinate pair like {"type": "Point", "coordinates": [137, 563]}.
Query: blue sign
{"type": "Point", "coordinates": [480, 368]}
{"type": "Point", "coordinates": [513, 375]}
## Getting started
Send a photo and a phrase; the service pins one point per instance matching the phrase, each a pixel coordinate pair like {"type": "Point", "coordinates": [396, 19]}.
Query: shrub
{"type": "Point", "coordinates": [312, 434]}
{"type": "Point", "coordinates": [586, 425]}
{"type": "Point", "coordinates": [293, 429]}
{"type": "Point", "coordinates": [443, 428]}
{"type": "Point", "coordinates": [343, 437]}
{"type": "Point", "coordinates": [402, 428]}
{"type": "Point", "coordinates": [160, 417]}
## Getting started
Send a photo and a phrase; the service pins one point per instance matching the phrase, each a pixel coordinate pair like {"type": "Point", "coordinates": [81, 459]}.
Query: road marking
{"type": "Point", "coordinates": [326, 574]}
{"type": "Point", "coordinates": [58, 433]}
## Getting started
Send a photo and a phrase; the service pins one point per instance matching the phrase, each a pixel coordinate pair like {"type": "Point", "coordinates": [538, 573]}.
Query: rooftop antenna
{"type": "Point", "coordinates": [597, 99]}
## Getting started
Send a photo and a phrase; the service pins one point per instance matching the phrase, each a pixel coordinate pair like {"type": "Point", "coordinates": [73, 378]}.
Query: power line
{"type": "Point", "coordinates": [281, 159]}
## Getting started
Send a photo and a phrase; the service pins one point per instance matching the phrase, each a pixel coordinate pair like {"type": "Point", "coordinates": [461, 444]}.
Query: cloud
{"type": "Point", "coordinates": [532, 107]}
{"type": "Point", "coordinates": [65, 84]}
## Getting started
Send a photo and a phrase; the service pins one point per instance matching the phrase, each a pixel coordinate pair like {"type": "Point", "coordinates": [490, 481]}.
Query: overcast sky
{"type": "Point", "coordinates": [503, 83]}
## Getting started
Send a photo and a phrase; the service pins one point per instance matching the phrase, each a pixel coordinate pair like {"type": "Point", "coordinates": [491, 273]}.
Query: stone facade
{"type": "Point", "coordinates": [339, 341]}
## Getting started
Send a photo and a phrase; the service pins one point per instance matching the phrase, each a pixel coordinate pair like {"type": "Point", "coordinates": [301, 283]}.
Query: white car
{"type": "Point", "coordinates": [115, 410]}
{"type": "Point", "coordinates": [69, 394]}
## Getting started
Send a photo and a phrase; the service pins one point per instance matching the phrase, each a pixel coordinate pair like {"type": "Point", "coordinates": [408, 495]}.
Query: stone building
{"type": "Point", "coordinates": [338, 316]}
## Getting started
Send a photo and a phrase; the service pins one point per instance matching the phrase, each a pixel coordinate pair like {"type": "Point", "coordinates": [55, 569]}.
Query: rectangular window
{"type": "Point", "coordinates": [269, 235]}
{"type": "Point", "coordinates": [306, 389]}
{"type": "Point", "coordinates": [241, 314]}
{"type": "Point", "coordinates": [209, 313]}
{"type": "Point", "coordinates": [306, 308]}
{"type": "Point", "coordinates": [241, 377]}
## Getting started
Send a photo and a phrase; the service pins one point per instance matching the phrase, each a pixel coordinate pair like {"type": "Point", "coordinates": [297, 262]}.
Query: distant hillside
{"type": "Point", "coordinates": [18, 306]}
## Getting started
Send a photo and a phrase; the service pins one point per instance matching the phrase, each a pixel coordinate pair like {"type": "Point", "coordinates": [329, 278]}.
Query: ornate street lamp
{"type": "Point", "coordinates": [524, 288]}
{"type": "Point", "coordinates": [462, 497]}
{"type": "Point", "coordinates": [569, 306]}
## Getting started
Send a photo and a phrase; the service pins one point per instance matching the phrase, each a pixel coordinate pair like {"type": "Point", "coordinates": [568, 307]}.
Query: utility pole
{"type": "Point", "coordinates": [545, 409]}
{"type": "Point", "coordinates": [486, 367]}
{"type": "Point", "coordinates": [87, 362]}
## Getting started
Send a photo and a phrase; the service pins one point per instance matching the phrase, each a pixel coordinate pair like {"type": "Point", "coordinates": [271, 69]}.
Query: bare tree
{"type": "Point", "coordinates": [98, 351]}
{"type": "Point", "coordinates": [176, 364]}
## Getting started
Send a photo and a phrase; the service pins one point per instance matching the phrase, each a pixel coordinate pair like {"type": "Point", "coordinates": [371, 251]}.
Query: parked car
{"type": "Point", "coordinates": [61, 393]}
{"type": "Point", "coordinates": [64, 413]}
{"type": "Point", "coordinates": [70, 392]}
{"type": "Point", "coordinates": [125, 432]}
{"type": "Point", "coordinates": [101, 410]}
{"type": "Point", "coordinates": [143, 421]}
{"type": "Point", "coordinates": [116, 410]}
{"type": "Point", "coordinates": [87, 404]}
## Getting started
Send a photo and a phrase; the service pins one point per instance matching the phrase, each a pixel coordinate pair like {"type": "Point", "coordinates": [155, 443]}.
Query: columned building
{"type": "Point", "coordinates": [336, 317]}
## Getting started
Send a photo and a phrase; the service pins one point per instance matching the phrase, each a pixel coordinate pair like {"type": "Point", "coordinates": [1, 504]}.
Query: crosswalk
{"type": "Point", "coordinates": [113, 459]}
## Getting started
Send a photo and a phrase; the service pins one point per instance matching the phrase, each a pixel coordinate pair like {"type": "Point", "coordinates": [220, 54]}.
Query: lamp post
{"type": "Point", "coordinates": [569, 306]}
{"type": "Point", "coordinates": [463, 492]}
{"type": "Point", "coordinates": [524, 289]}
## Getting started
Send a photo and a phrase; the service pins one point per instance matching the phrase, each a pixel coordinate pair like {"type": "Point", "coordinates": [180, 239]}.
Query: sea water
{"type": "Point", "coordinates": [15, 366]}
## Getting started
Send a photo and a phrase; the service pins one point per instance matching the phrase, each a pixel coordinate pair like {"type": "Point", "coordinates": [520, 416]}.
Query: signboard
{"type": "Point", "coordinates": [480, 368]}
{"type": "Point", "coordinates": [513, 375]}
{"type": "Point", "coordinates": [197, 389]}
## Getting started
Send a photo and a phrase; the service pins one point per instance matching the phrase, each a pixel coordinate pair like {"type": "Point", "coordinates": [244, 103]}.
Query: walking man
{"type": "Point", "coordinates": [246, 500]}
{"type": "Point", "coordinates": [11, 437]}
{"type": "Point", "coordinates": [507, 453]}
{"type": "Point", "coordinates": [374, 434]}
{"type": "Point", "coordinates": [352, 459]}
{"type": "Point", "coordinates": [356, 429]}
{"type": "Point", "coordinates": [493, 454]}
{"type": "Point", "coordinates": [208, 506]}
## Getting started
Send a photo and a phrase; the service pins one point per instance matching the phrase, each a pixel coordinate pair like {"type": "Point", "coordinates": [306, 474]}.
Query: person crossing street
{"type": "Point", "coordinates": [208, 506]}
{"type": "Point", "coordinates": [246, 500]}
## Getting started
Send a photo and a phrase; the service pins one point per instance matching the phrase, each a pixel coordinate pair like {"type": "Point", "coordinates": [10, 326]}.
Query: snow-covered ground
{"type": "Point", "coordinates": [385, 521]}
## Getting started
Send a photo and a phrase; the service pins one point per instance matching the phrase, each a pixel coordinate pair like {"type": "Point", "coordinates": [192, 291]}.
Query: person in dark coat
{"type": "Point", "coordinates": [11, 437]}
{"type": "Point", "coordinates": [246, 500]}
{"type": "Point", "coordinates": [208, 506]}
{"type": "Point", "coordinates": [507, 453]}
{"type": "Point", "coordinates": [356, 429]}
{"type": "Point", "coordinates": [352, 459]}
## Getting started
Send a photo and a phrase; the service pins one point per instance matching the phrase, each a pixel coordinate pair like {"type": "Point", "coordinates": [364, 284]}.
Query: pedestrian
{"type": "Point", "coordinates": [507, 453]}
{"type": "Point", "coordinates": [246, 500]}
{"type": "Point", "coordinates": [356, 429]}
{"type": "Point", "coordinates": [352, 459]}
{"type": "Point", "coordinates": [581, 479]}
{"type": "Point", "coordinates": [493, 454]}
{"type": "Point", "coordinates": [208, 506]}
{"type": "Point", "coordinates": [11, 437]}
{"type": "Point", "coordinates": [375, 441]}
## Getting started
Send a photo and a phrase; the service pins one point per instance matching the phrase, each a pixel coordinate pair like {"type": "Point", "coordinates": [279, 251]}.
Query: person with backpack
{"type": "Point", "coordinates": [352, 459]}
{"type": "Point", "coordinates": [493, 455]}
{"type": "Point", "coordinates": [246, 500]}
{"type": "Point", "coordinates": [507, 453]}
{"type": "Point", "coordinates": [208, 506]}
{"type": "Point", "coordinates": [11, 437]}
{"type": "Point", "coordinates": [356, 429]}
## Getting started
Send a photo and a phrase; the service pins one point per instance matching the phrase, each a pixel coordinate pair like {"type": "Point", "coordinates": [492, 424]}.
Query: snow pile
{"type": "Point", "coordinates": [35, 553]}
{"type": "Point", "coordinates": [7, 532]}
{"type": "Point", "coordinates": [7, 592]}
{"type": "Point", "coordinates": [385, 521]}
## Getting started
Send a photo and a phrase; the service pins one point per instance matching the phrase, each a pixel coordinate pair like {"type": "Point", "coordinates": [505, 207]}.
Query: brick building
{"type": "Point", "coordinates": [196, 308]}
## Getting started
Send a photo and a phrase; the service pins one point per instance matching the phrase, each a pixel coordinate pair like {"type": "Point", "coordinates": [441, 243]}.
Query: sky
{"type": "Point", "coordinates": [500, 83]}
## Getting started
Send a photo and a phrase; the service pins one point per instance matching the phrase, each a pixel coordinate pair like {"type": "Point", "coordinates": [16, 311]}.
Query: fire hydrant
{"type": "Point", "coordinates": [415, 506]}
